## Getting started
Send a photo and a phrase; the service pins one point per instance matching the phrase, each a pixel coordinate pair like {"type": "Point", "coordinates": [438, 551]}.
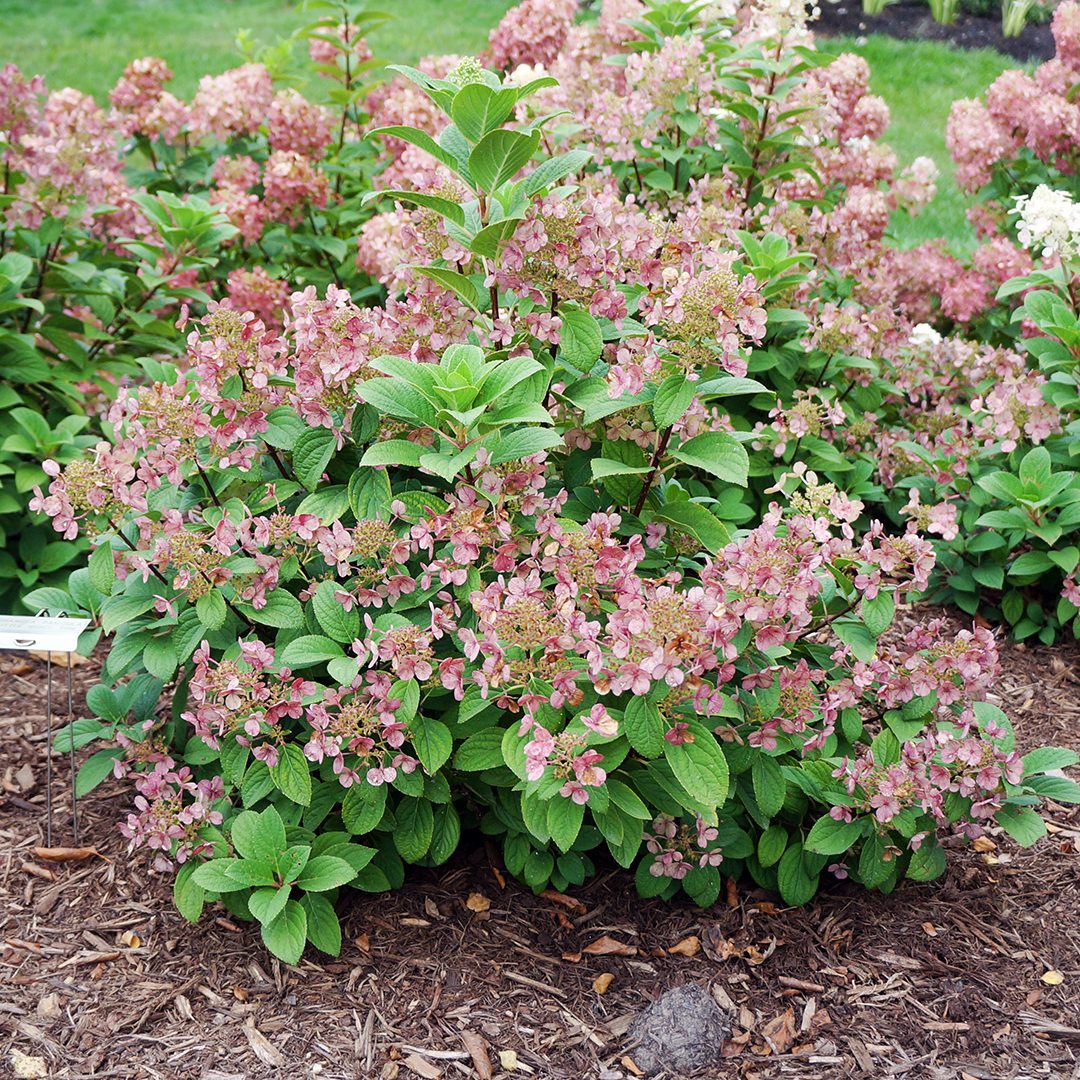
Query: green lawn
{"type": "Point", "coordinates": [920, 81]}
{"type": "Point", "coordinates": [86, 43]}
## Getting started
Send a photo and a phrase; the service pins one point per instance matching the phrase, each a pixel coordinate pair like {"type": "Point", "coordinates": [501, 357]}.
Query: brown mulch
{"type": "Point", "coordinates": [99, 977]}
{"type": "Point", "coordinates": [910, 20]}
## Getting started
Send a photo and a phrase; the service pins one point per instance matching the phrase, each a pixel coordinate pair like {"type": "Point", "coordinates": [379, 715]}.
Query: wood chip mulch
{"type": "Point", "coordinates": [465, 974]}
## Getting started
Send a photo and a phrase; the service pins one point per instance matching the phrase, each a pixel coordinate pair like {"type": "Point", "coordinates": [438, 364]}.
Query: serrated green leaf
{"type": "Point", "coordinates": [363, 807]}
{"type": "Point", "coordinates": [286, 935]}
{"type": "Point", "coordinates": [415, 827]}
{"type": "Point", "coordinates": [325, 872]}
{"type": "Point", "coordinates": [831, 837]}
{"type": "Point", "coordinates": [189, 897]}
{"type": "Point", "coordinates": [292, 774]}
{"type": "Point", "coordinates": [564, 819]}
{"type": "Point", "coordinates": [309, 650]}
{"type": "Point", "coordinates": [699, 765]}
{"type": "Point", "coordinates": [340, 625]}
{"type": "Point", "coordinates": [312, 451]}
{"type": "Point", "coordinates": [717, 453]}
{"type": "Point", "coordinates": [323, 927]}
{"type": "Point", "coordinates": [102, 569]}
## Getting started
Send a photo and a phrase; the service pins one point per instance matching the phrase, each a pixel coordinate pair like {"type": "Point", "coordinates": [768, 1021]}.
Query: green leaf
{"type": "Point", "coordinates": [831, 837]}
{"type": "Point", "coordinates": [769, 785]}
{"type": "Point", "coordinates": [673, 397]}
{"type": "Point", "coordinates": [771, 845]}
{"type": "Point", "coordinates": [697, 522]}
{"type": "Point", "coordinates": [257, 784]}
{"type": "Point", "coordinates": [501, 155]}
{"type": "Point", "coordinates": [1056, 788]}
{"type": "Point", "coordinates": [328, 504]}
{"type": "Point", "coordinates": [102, 569]}
{"type": "Point", "coordinates": [446, 207]}
{"type": "Point", "coordinates": [369, 495]}
{"type": "Point", "coordinates": [122, 609]}
{"type": "Point", "coordinates": [644, 727]}
{"type": "Point", "coordinates": [415, 827]}
{"type": "Point", "coordinates": [214, 877]}
{"type": "Point", "coordinates": [432, 742]}
{"type": "Point", "coordinates": [417, 138]}
{"type": "Point", "coordinates": [363, 807]}
{"type": "Point", "coordinates": [309, 650]}
{"type": "Point", "coordinates": [234, 760]}
{"type": "Point", "coordinates": [928, 863]}
{"type": "Point", "coordinates": [323, 927]}
{"type": "Point", "coordinates": [627, 800]}
{"type": "Point", "coordinates": [1022, 823]}
{"type": "Point", "coordinates": [267, 904]}
{"type": "Point", "coordinates": [286, 935]}
{"type": "Point", "coordinates": [1049, 757]}
{"type": "Point", "coordinates": [480, 751]}
{"type": "Point", "coordinates": [700, 766]}
{"type": "Point", "coordinates": [159, 657]}
{"type": "Point", "coordinates": [857, 637]}
{"type": "Point", "coordinates": [284, 427]}
{"type": "Point", "coordinates": [95, 769]}
{"type": "Point", "coordinates": [1030, 564]}
{"type": "Point", "coordinates": [212, 610]}
{"type": "Point", "coordinates": [399, 400]}
{"type": "Point", "coordinates": [604, 467]}
{"type": "Point", "coordinates": [292, 774]}
{"type": "Point", "coordinates": [460, 285]}
{"type": "Point", "coordinates": [339, 624]}
{"type": "Point", "coordinates": [877, 614]}
{"type": "Point", "coordinates": [312, 451]}
{"type": "Point", "coordinates": [1036, 468]}
{"type": "Point", "coordinates": [553, 170]}
{"type": "Point", "coordinates": [564, 818]}
{"type": "Point", "coordinates": [446, 834]}
{"type": "Point", "coordinates": [478, 109]}
{"type": "Point", "coordinates": [717, 453]}
{"type": "Point", "coordinates": [580, 339]}
{"type": "Point", "coordinates": [796, 884]}
{"type": "Point", "coordinates": [189, 897]}
{"type": "Point", "coordinates": [259, 836]}
{"type": "Point", "coordinates": [523, 443]}
{"type": "Point", "coordinates": [325, 872]}
{"type": "Point", "coordinates": [251, 872]}
{"type": "Point", "coordinates": [875, 868]}
{"type": "Point", "coordinates": [282, 611]}
{"type": "Point", "coordinates": [393, 452]}
{"type": "Point", "coordinates": [702, 885]}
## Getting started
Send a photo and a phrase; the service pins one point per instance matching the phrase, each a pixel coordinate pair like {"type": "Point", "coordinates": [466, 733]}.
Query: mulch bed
{"type": "Point", "coordinates": [99, 977]}
{"type": "Point", "coordinates": [911, 20]}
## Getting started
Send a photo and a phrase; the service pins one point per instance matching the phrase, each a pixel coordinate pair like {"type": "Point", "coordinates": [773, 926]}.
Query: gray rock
{"type": "Point", "coordinates": [681, 1032]}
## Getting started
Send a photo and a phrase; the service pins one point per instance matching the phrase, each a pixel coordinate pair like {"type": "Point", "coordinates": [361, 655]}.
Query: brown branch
{"type": "Point", "coordinates": [654, 467]}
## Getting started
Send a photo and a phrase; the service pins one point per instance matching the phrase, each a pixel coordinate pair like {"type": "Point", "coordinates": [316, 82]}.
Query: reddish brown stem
{"type": "Point", "coordinates": [654, 467]}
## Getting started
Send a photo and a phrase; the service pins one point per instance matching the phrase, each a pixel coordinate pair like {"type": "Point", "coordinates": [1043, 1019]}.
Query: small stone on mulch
{"type": "Point", "coordinates": [682, 1031]}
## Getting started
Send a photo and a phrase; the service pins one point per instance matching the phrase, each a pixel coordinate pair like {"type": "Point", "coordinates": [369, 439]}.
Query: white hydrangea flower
{"type": "Point", "coordinates": [1049, 222]}
{"type": "Point", "coordinates": [924, 336]}
{"type": "Point", "coordinates": [524, 74]}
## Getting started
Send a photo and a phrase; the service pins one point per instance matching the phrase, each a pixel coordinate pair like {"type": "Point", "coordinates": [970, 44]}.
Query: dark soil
{"type": "Point", "coordinates": [973, 976]}
{"type": "Point", "coordinates": [911, 20]}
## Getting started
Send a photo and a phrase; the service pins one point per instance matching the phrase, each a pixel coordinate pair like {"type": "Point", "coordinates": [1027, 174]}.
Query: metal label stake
{"type": "Point", "coordinates": [24, 633]}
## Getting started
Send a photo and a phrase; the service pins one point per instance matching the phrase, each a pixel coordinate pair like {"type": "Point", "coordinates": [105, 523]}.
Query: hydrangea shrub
{"type": "Point", "coordinates": [571, 540]}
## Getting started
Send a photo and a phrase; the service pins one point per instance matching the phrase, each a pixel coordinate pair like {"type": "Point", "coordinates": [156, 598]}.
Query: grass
{"type": "Point", "coordinates": [86, 43]}
{"type": "Point", "coordinates": [920, 81]}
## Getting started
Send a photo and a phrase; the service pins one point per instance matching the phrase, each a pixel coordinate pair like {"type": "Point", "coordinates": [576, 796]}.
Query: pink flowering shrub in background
{"type": "Point", "coordinates": [579, 538]}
